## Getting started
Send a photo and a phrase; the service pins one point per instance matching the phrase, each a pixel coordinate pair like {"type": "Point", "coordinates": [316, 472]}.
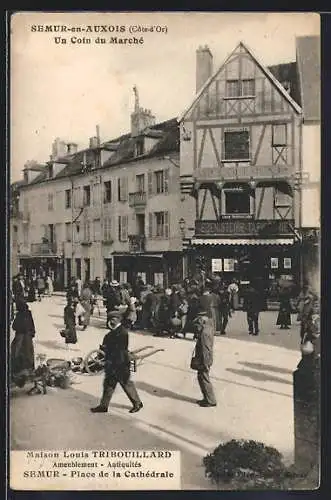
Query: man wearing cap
{"type": "Point", "coordinates": [117, 365]}
{"type": "Point", "coordinates": [204, 331]}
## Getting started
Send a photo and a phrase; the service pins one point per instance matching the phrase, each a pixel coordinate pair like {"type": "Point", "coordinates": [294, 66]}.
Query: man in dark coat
{"type": "Point", "coordinates": [204, 330]}
{"type": "Point", "coordinates": [224, 311]}
{"type": "Point", "coordinates": [252, 306]}
{"type": "Point", "coordinates": [18, 288]}
{"type": "Point", "coordinates": [117, 365]}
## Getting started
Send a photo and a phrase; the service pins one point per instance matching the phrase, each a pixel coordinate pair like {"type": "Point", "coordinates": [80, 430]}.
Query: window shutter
{"type": "Point", "coordinates": [150, 225]}
{"type": "Point", "coordinates": [125, 189]}
{"type": "Point", "coordinates": [150, 183]}
{"type": "Point", "coordinates": [125, 228]}
{"type": "Point", "coordinates": [76, 197]}
{"type": "Point", "coordinates": [119, 228]}
{"type": "Point", "coordinates": [166, 225]}
{"type": "Point", "coordinates": [110, 228]}
{"type": "Point", "coordinates": [222, 145]}
{"type": "Point", "coordinates": [166, 180]}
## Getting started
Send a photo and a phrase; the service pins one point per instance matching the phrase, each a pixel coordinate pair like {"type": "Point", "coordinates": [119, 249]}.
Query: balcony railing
{"type": "Point", "coordinates": [136, 243]}
{"type": "Point", "coordinates": [43, 249]}
{"type": "Point", "coordinates": [137, 199]}
{"type": "Point", "coordinates": [243, 173]}
{"type": "Point", "coordinates": [244, 227]}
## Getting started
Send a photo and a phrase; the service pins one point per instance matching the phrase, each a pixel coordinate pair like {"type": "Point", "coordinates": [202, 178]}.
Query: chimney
{"type": "Point", "coordinates": [141, 118]}
{"type": "Point", "coordinates": [204, 66]}
{"type": "Point", "coordinates": [59, 149]}
{"type": "Point", "coordinates": [93, 142]}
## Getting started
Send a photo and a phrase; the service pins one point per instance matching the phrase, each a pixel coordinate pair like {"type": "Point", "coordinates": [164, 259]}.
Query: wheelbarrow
{"type": "Point", "coordinates": [94, 361]}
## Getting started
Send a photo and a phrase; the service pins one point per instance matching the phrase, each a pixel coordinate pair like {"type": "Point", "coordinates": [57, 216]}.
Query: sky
{"type": "Point", "coordinates": [65, 90]}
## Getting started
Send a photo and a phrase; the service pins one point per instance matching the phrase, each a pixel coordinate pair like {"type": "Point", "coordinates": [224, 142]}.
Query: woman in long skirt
{"type": "Point", "coordinates": [284, 315]}
{"type": "Point", "coordinates": [70, 323]}
{"type": "Point", "coordinates": [22, 350]}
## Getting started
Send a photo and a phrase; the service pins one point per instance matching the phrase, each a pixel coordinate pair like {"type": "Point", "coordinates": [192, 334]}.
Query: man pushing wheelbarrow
{"type": "Point", "coordinates": [117, 360]}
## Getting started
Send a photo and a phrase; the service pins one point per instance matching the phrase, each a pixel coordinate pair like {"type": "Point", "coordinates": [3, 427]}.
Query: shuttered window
{"type": "Point", "coordinates": [107, 228]}
{"type": "Point", "coordinates": [123, 227]}
{"type": "Point", "coordinates": [158, 182]}
{"type": "Point", "coordinates": [122, 189]}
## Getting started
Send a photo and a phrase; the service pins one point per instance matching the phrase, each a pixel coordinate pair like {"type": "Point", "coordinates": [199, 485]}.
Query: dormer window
{"type": "Point", "coordinates": [140, 147]}
{"type": "Point", "coordinates": [240, 88]}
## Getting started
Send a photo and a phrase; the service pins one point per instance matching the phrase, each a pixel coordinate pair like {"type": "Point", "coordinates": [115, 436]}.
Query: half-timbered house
{"type": "Point", "coordinates": [240, 158]}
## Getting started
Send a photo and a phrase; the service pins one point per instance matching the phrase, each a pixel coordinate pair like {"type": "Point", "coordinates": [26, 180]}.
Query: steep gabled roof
{"type": "Point", "coordinates": [309, 68]}
{"type": "Point", "coordinates": [288, 72]}
{"type": "Point", "coordinates": [265, 70]}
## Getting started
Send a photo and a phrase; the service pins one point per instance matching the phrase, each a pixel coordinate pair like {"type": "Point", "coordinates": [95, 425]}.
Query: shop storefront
{"type": "Point", "coordinates": [268, 263]}
{"type": "Point", "coordinates": [31, 267]}
{"type": "Point", "coordinates": [161, 269]}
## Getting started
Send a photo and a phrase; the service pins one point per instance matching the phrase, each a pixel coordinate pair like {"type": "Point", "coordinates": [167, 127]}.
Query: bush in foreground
{"type": "Point", "coordinates": [241, 464]}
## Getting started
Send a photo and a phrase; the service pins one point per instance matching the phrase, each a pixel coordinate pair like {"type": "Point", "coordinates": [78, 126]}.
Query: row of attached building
{"type": "Point", "coordinates": [232, 184]}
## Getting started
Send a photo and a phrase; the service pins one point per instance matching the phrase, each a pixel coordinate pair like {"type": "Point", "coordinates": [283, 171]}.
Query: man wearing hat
{"type": "Point", "coordinates": [117, 365]}
{"type": "Point", "coordinates": [204, 331]}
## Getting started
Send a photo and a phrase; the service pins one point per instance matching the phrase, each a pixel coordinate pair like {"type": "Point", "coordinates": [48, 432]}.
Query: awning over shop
{"type": "Point", "coordinates": [251, 241]}
{"type": "Point", "coordinates": [145, 255]}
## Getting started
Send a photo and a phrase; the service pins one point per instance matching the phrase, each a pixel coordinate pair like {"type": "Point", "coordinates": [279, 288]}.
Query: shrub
{"type": "Point", "coordinates": [241, 464]}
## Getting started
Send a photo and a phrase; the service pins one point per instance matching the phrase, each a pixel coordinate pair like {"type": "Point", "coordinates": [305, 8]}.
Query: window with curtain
{"type": "Point", "coordinates": [87, 196]}
{"type": "Point", "coordinates": [159, 225]}
{"type": "Point", "coordinates": [236, 145]}
{"type": "Point", "coordinates": [107, 192]}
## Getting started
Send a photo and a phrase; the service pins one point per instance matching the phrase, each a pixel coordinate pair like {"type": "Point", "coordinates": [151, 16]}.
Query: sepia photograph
{"type": "Point", "coordinates": [164, 256]}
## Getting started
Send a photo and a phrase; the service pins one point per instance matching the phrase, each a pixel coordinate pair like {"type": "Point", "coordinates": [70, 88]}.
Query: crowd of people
{"type": "Point", "coordinates": [200, 305]}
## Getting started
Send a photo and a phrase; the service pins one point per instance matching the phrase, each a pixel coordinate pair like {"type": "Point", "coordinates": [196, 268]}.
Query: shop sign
{"type": "Point", "coordinates": [216, 265]}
